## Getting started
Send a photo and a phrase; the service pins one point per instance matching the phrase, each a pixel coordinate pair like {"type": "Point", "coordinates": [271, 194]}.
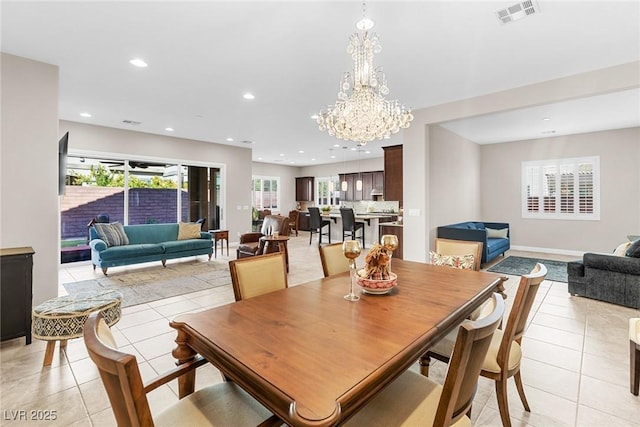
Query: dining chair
{"type": "Point", "coordinates": [332, 259]}
{"type": "Point", "coordinates": [461, 254]}
{"type": "Point", "coordinates": [222, 404]}
{"type": "Point", "coordinates": [349, 225]}
{"type": "Point", "coordinates": [294, 221]}
{"type": "Point", "coordinates": [634, 341]}
{"type": "Point", "coordinates": [458, 248]}
{"type": "Point", "coordinates": [505, 354]}
{"type": "Point", "coordinates": [316, 224]}
{"type": "Point", "coordinates": [258, 275]}
{"type": "Point", "coordinates": [414, 400]}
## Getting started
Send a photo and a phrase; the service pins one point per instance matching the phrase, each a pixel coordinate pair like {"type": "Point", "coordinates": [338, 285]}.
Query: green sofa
{"type": "Point", "coordinates": [147, 242]}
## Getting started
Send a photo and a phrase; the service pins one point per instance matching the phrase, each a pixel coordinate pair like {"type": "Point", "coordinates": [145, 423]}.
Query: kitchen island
{"type": "Point", "coordinates": [371, 225]}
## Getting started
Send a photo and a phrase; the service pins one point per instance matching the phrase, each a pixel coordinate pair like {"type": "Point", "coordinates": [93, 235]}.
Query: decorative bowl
{"type": "Point", "coordinates": [377, 286]}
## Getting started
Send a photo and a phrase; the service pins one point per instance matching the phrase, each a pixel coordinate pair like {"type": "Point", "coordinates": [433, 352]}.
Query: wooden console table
{"type": "Point", "coordinates": [219, 235]}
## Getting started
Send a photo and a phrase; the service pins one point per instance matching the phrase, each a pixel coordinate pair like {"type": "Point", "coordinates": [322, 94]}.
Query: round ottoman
{"type": "Point", "coordinates": [62, 318]}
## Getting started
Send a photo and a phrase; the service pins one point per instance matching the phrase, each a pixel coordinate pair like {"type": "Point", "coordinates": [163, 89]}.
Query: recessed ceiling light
{"type": "Point", "coordinates": [85, 114]}
{"type": "Point", "coordinates": [229, 139]}
{"type": "Point", "coordinates": [314, 117]}
{"type": "Point", "coordinates": [169, 129]}
{"type": "Point", "coordinates": [333, 157]}
{"type": "Point", "coordinates": [281, 155]}
{"type": "Point", "coordinates": [138, 62]}
{"type": "Point", "coordinates": [336, 145]}
{"type": "Point", "coordinates": [248, 96]}
{"type": "Point", "coordinates": [546, 119]}
{"type": "Point", "coordinates": [259, 158]}
{"type": "Point", "coordinates": [301, 151]}
{"type": "Point", "coordinates": [292, 163]}
{"type": "Point", "coordinates": [354, 149]}
{"type": "Point", "coordinates": [367, 152]}
{"type": "Point", "coordinates": [313, 159]}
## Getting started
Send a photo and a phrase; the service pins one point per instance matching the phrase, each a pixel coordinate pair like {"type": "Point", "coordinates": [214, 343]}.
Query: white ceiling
{"type": "Point", "coordinates": [203, 56]}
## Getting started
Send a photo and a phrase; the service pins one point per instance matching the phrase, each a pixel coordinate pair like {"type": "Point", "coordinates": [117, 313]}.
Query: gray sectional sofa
{"type": "Point", "coordinates": [610, 278]}
{"type": "Point", "coordinates": [147, 242]}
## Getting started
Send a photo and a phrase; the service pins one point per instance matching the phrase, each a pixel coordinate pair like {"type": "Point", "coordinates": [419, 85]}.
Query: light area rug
{"type": "Point", "coordinates": [153, 283]}
{"type": "Point", "coordinates": [518, 266]}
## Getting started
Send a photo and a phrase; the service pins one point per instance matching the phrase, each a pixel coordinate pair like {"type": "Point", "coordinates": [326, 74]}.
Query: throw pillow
{"type": "Point", "coordinates": [113, 234]}
{"type": "Point", "coordinates": [188, 230]}
{"type": "Point", "coordinates": [497, 234]}
{"type": "Point", "coordinates": [465, 262]}
{"type": "Point", "coordinates": [621, 250]}
{"type": "Point", "coordinates": [634, 249]}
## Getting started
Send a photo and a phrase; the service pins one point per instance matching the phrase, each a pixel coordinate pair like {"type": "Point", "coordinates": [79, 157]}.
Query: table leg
{"type": "Point", "coordinates": [48, 354]}
{"type": "Point", "coordinates": [227, 239]}
{"type": "Point", "coordinates": [183, 353]}
{"type": "Point", "coordinates": [215, 248]}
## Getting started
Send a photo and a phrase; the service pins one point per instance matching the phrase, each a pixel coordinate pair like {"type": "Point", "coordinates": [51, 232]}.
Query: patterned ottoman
{"type": "Point", "coordinates": [62, 318]}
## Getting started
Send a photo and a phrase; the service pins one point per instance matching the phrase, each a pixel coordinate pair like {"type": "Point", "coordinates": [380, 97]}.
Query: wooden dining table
{"type": "Point", "coordinates": [314, 358]}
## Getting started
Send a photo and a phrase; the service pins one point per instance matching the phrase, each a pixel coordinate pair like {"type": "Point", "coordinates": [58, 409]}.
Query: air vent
{"type": "Point", "coordinates": [517, 11]}
{"type": "Point", "coordinates": [247, 142]}
{"type": "Point", "coordinates": [131, 122]}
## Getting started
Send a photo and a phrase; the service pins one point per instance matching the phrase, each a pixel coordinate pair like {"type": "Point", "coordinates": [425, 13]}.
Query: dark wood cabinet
{"type": "Point", "coordinates": [392, 229]}
{"type": "Point", "coordinates": [16, 293]}
{"type": "Point", "coordinates": [370, 180]}
{"type": "Point", "coordinates": [393, 173]}
{"type": "Point", "coordinates": [367, 185]}
{"type": "Point", "coordinates": [303, 221]}
{"type": "Point", "coordinates": [304, 189]}
{"type": "Point", "coordinates": [378, 181]}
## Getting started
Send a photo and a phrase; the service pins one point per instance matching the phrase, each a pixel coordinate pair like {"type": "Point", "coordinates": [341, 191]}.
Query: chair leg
{"type": "Point", "coordinates": [310, 236]}
{"type": "Point", "coordinates": [503, 405]}
{"type": "Point", "coordinates": [425, 361]}
{"type": "Point", "coordinates": [520, 388]}
{"type": "Point", "coordinates": [635, 368]}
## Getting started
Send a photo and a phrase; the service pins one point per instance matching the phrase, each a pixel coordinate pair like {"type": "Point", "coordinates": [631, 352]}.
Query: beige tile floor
{"type": "Point", "coordinates": [575, 367]}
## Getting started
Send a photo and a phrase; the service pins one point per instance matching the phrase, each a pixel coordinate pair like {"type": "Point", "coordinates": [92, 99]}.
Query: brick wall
{"type": "Point", "coordinates": [81, 204]}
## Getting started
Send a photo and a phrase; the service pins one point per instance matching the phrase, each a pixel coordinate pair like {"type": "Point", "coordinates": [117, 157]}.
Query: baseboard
{"type": "Point", "coordinates": [547, 250]}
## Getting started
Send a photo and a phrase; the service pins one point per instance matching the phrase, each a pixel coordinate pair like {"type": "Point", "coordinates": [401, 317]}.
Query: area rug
{"type": "Point", "coordinates": [154, 283]}
{"type": "Point", "coordinates": [517, 266]}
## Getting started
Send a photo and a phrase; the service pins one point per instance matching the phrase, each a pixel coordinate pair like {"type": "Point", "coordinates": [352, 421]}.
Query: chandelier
{"type": "Point", "coordinates": [361, 113]}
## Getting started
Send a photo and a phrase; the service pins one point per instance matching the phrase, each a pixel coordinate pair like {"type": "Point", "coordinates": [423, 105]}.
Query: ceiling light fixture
{"type": "Point", "coordinates": [138, 62]}
{"type": "Point", "coordinates": [229, 139]}
{"type": "Point", "coordinates": [361, 113]}
{"type": "Point", "coordinates": [169, 129]}
{"type": "Point", "coordinates": [85, 114]}
{"type": "Point", "coordinates": [248, 96]}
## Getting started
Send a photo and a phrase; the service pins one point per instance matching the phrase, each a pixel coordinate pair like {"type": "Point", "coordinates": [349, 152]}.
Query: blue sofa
{"type": "Point", "coordinates": [475, 231]}
{"type": "Point", "coordinates": [147, 242]}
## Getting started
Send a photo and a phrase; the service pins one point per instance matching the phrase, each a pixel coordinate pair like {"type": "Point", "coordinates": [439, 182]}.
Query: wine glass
{"type": "Point", "coordinates": [351, 249]}
{"type": "Point", "coordinates": [390, 243]}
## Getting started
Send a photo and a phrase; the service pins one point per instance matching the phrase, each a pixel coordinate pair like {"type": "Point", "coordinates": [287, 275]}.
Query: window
{"type": "Point", "coordinates": [265, 192]}
{"type": "Point", "coordinates": [328, 191]}
{"type": "Point", "coordinates": [561, 189]}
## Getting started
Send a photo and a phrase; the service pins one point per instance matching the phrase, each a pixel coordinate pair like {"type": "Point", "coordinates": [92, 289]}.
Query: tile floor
{"type": "Point", "coordinates": [575, 367]}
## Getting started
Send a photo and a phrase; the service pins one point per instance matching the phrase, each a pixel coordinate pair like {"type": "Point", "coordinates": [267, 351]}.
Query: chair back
{"type": "Point", "coordinates": [332, 259]}
{"type": "Point", "coordinates": [258, 275]}
{"type": "Point", "coordinates": [314, 218]}
{"type": "Point", "coordinates": [294, 220]}
{"type": "Point", "coordinates": [348, 219]}
{"type": "Point", "coordinates": [120, 374]}
{"type": "Point", "coordinates": [460, 248]}
{"type": "Point", "coordinates": [522, 303]}
{"type": "Point", "coordinates": [263, 213]}
{"type": "Point", "coordinates": [469, 351]}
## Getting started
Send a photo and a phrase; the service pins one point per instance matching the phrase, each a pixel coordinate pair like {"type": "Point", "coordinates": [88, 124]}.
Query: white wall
{"type": "Point", "coordinates": [419, 156]}
{"type": "Point", "coordinates": [234, 161]}
{"type": "Point", "coordinates": [29, 212]}
{"type": "Point", "coordinates": [619, 152]}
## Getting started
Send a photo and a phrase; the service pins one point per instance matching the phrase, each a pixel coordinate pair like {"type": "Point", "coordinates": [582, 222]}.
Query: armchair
{"type": "Point", "coordinates": [252, 244]}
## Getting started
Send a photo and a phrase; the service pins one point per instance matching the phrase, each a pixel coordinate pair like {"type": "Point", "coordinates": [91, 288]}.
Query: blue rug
{"type": "Point", "coordinates": [518, 266]}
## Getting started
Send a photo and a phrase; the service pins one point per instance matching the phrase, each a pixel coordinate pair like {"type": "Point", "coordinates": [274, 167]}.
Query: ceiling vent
{"type": "Point", "coordinates": [517, 11]}
{"type": "Point", "coordinates": [131, 122]}
{"type": "Point", "coordinates": [247, 142]}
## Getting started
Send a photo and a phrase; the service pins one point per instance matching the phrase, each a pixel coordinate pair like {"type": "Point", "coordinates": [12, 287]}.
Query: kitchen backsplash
{"type": "Point", "coordinates": [365, 206]}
